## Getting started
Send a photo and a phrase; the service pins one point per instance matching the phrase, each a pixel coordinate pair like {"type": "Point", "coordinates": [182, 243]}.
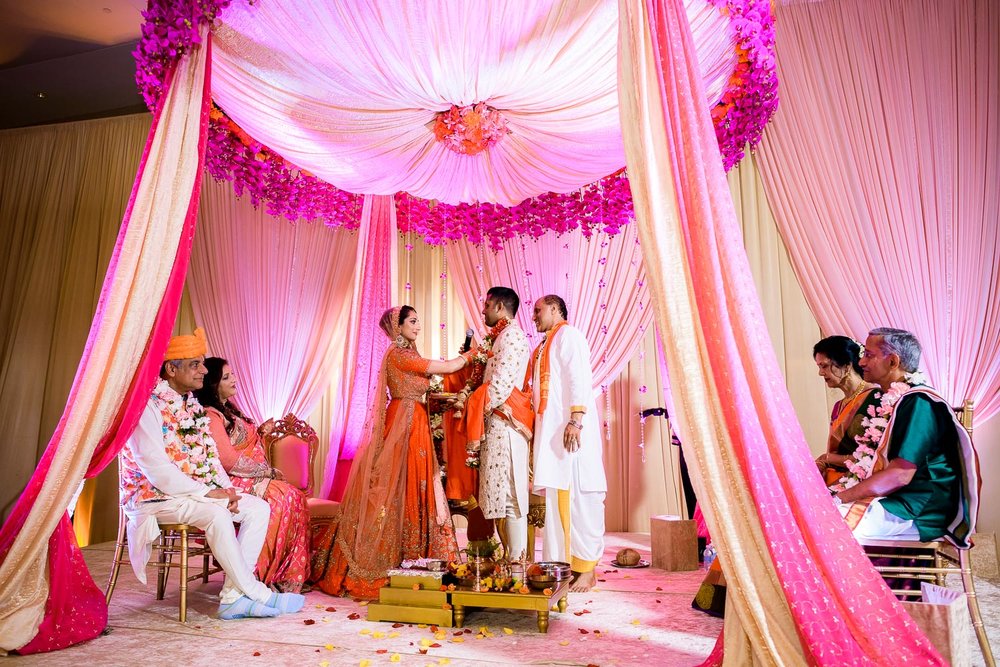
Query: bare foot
{"type": "Point", "coordinates": [582, 582]}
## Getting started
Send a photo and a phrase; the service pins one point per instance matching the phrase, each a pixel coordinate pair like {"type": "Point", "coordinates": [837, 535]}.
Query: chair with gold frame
{"type": "Point", "coordinates": [936, 559]}
{"type": "Point", "coordinates": [176, 539]}
{"type": "Point", "coordinates": [291, 446]}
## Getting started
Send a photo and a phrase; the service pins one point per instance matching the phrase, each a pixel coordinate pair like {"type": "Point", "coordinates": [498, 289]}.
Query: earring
{"type": "Point", "coordinates": [400, 341]}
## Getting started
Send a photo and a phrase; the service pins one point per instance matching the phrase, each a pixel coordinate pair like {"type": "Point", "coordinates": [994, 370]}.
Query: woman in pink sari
{"type": "Point", "coordinates": [284, 561]}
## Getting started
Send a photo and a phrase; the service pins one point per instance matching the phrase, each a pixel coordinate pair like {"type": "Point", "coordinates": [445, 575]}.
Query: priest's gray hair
{"type": "Point", "coordinates": [902, 343]}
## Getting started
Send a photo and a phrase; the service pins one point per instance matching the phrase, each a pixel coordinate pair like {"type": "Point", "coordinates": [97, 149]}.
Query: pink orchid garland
{"type": "Point", "coordinates": [171, 27]}
{"type": "Point", "coordinates": [751, 97]}
{"type": "Point", "coordinates": [605, 205]}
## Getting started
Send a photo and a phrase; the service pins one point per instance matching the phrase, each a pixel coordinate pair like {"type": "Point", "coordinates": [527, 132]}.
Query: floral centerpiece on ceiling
{"type": "Point", "coordinates": [171, 28]}
{"type": "Point", "coordinates": [471, 129]}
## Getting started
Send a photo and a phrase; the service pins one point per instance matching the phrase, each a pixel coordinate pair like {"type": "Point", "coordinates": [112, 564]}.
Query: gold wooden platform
{"type": "Point", "coordinates": [535, 601]}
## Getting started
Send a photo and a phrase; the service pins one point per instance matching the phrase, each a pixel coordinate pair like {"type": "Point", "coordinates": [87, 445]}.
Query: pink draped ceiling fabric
{"type": "Point", "coordinates": [273, 299]}
{"type": "Point", "coordinates": [374, 277]}
{"type": "Point", "coordinates": [48, 599]}
{"type": "Point", "coordinates": [801, 591]}
{"type": "Point", "coordinates": [882, 170]}
{"type": "Point", "coordinates": [349, 92]}
{"type": "Point", "coordinates": [601, 279]}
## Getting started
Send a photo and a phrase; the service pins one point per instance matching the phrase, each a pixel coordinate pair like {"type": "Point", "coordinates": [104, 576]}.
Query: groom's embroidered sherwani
{"type": "Point", "coordinates": [503, 472]}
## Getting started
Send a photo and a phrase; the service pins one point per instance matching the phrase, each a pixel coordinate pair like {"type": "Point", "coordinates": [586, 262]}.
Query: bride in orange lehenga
{"type": "Point", "coordinates": [394, 506]}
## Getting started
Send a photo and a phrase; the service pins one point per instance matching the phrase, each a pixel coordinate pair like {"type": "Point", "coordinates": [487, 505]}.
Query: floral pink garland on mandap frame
{"type": "Point", "coordinates": [747, 104]}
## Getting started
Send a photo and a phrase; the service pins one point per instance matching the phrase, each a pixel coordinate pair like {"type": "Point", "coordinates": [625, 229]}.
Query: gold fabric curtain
{"type": "Point", "coordinates": [63, 192]}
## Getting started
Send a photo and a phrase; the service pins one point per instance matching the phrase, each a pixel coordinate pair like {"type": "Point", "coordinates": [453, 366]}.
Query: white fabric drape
{"type": "Point", "coordinates": [139, 289]}
{"type": "Point", "coordinates": [601, 280]}
{"type": "Point", "coordinates": [374, 272]}
{"type": "Point", "coordinates": [273, 298]}
{"type": "Point", "coordinates": [347, 92]}
{"type": "Point", "coordinates": [897, 105]}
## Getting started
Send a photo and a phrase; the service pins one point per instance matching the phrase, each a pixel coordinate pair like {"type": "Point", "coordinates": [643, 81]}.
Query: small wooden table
{"type": "Point", "coordinates": [534, 601]}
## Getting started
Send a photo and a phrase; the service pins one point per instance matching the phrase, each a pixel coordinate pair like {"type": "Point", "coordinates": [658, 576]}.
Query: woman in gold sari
{"type": "Point", "coordinates": [837, 359]}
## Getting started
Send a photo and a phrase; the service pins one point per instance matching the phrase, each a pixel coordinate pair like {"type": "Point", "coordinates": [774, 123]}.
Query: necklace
{"type": "Point", "coordinates": [861, 388]}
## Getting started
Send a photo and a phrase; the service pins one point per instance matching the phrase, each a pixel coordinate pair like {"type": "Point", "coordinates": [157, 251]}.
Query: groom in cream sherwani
{"type": "Point", "coordinates": [568, 461]}
{"type": "Point", "coordinates": [503, 471]}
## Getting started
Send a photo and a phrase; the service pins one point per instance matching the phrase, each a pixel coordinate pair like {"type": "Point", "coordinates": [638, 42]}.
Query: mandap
{"type": "Point", "coordinates": [486, 121]}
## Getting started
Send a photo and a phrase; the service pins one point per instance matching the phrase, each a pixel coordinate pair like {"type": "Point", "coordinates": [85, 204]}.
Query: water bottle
{"type": "Point", "coordinates": [708, 555]}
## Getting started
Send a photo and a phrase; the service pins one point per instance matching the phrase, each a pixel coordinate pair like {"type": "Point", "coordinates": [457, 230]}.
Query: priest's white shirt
{"type": "Point", "coordinates": [570, 384]}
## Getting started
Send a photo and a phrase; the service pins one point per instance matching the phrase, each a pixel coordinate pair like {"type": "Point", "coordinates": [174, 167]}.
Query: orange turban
{"type": "Point", "coordinates": [187, 347]}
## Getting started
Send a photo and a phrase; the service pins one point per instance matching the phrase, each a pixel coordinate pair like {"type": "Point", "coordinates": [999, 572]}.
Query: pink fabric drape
{"type": "Point", "coordinates": [364, 128]}
{"type": "Point", "coordinates": [74, 609]}
{"type": "Point", "coordinates": [273, 299]}
{"type": "Point", "coordinates": [372, 296]}
{"type": "Point", "coordinates": [882, 170]}
{"type": "Point", "coordinates": [601, 279]}
{"type": "Point", "coordinates": [842, 612]}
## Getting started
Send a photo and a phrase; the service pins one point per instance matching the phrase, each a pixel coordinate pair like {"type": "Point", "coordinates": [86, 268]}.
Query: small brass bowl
{"type": "Point", "coordinates": [556, 569]}
{"type": "Point", "coordinates": [541, 581]}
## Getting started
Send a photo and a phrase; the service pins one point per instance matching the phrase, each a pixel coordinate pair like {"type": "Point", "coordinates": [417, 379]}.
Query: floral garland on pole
{"type": "Point", "coordinates": [172, 26]}
{"type": "Point", "coordinates": [751, 97]}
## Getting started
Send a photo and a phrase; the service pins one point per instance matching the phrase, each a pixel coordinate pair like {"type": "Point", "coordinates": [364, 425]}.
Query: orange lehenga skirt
{"type": "Point", "coordinates": [421, 536]}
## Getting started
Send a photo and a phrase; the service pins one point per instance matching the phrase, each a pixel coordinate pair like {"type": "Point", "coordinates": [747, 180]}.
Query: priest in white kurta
{"type": "Point", "coordinates": [568, 461]}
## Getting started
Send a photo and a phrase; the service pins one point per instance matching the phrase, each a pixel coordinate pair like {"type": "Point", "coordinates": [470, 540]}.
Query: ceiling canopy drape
{"type": "Point", "coordinates": [349, 92]}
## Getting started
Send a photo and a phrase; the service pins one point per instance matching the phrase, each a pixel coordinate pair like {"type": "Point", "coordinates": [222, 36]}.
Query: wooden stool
{"type": "Point", "coordinates": [674, 543]}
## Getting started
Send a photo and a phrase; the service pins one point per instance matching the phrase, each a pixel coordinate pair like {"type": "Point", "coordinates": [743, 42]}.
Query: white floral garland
{"type": "Point", "coordinates": [874, 425]}
{"type": "Point", "coordinates": [192, 431]}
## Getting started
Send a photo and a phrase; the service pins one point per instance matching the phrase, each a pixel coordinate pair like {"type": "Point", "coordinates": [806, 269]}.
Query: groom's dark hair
{"type": "Point", "coordinates": [505, 296]}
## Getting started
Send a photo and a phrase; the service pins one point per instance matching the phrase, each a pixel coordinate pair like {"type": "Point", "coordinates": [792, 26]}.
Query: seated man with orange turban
{"type": "Point", "coordinates": [171, 473]}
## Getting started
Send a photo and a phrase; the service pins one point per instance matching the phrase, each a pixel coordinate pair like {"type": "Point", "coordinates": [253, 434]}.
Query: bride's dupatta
{"type": "Point", "coordinates": [369, 529]}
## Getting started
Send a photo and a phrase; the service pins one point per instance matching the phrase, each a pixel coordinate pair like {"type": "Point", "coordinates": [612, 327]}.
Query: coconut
{"type": "Point", "coordinates": [627, 557]}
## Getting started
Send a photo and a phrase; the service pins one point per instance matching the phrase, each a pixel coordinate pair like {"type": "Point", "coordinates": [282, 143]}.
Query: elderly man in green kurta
{"type": "Point", "coordinates": [915, 488]}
